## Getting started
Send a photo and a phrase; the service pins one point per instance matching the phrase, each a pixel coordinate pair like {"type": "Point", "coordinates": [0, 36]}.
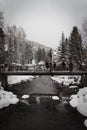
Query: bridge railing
{"type": "Point", "coordinates": [4, 74]}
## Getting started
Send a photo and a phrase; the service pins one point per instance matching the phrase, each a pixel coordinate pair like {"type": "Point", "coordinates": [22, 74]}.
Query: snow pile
{"type": "Point", "coordinates": [25, 96]}
{"type": "Point", "coordinates": [28, 65]}
{"type": "Point", "coordinates": [85, 123]}
{"type": "Point", "coordinates": [41, 63]}
{"type": "Point", "coordinates": [55, 97]}
{"type": "Point", "coordinates": [74, 101]}
{"type": "Point", "coordinates": [80, 102]}
{"type": "Point", "coordinates": [73, 86]}
{"type": "Point", "coordinates": [7, 98]}
{"type": "Point", "coordinates": [67, 80]}
{"type": "Point", "coordinates": [18, 79]}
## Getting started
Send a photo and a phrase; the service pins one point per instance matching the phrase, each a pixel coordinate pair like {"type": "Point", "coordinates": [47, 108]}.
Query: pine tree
{"type": "Point", "coordinates": [49, 55]}
{"type": "Point", "coordinates": [76, 51]}
{"type": "Point", "coordinates": [2, 47]}
{"type": "Point", "coordinates": [22, 53]}
{"type": "Point", "coordinates": [62, 48]}
{"type": "Point", "coordinates": [2, 40]}
{"type": "Point", "coordinates": [28, 54]}
{"type": "Point", "coordinates": [67, 52]}
{"type": "Point", "coordinates": [43, 54]}
{"type": "Point", "coordinates": [38, 55]}
{"type": "Point", "coordinates": [1, 19]}
{"type": "Point", "coordinates": [84, 38]}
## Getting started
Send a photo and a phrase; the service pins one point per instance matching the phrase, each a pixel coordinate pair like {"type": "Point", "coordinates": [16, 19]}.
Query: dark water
{"type": "Point", "coordinates": [48, 114]}
{"type": "Point", "coordinates": [40, 113]}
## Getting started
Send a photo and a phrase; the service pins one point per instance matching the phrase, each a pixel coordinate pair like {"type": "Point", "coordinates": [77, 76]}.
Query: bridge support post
{"type": "Point", "coordinates": [83, 80]}
{"type": "Point", "coordinates": [4, 81]}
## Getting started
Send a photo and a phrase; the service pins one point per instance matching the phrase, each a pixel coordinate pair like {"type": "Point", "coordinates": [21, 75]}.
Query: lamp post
{"type": "Point", "coordinates": [50, 60]}
{"type": "Point", "coordinates": [34, 49]}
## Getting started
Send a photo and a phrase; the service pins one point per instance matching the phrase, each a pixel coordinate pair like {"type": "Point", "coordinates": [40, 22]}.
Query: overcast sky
{"type": "Point", "coordinates": [45, 20]}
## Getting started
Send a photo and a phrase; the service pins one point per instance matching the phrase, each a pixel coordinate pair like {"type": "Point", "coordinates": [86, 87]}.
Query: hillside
{"type": "Point", "coordinates": [36, 45]}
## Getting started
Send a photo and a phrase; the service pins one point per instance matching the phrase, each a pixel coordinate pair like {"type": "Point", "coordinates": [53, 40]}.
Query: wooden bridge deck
{"type": "Point", "coordinates": [43, 73]}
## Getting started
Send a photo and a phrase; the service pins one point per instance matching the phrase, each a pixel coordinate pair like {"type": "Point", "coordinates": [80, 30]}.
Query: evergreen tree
{"type": "Point", "coordinates": [84, 32]}
{"type": "Point", "coordinates": [43, 54]}
{"type": "Point", "coordinates": [48, 59]}
{"type": "Point", "coordinates": [84, 38]}
{"type": "Point", "coordinates": [28, 54]}
{"type": "Point", "coordinates": [38, 55]}
{"type": "Point", "coordinates": [1, 19]}
{"type": "Point", "coordinates": [49, 55]}
{"type": "Point", "coordinates": [2, 47]}
{"type": "Point", "coordinates": [22, 53]}
{"type": "Point", "coordinates": [76, 51]}
{"type": "Point", "coordinates": [2, 40]}
{"type": "Point", "coordinates": [67, 52]}
{"type": "Point", "coordinates": [62, 48]}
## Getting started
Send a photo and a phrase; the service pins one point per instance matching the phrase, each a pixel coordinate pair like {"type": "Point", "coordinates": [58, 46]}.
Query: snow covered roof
{"type": "Point", "coordinates": [16, 64]}
{"type": "Point", "coordinates": [41, 63]}
{"type": "Point", "coordinates": [28, 65]}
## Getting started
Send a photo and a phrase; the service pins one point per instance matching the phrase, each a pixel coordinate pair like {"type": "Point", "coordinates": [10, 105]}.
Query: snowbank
{"type": "Point", "coordinates": [85, 123]}
{"type": "Point", "coordinates": [55, 97]}
{"type": "Point", "coordinates": [80, 102]}
{"type": "Point", "coordinates": [73, 86]}
{"type": "Point", "coordinates": [74, 101]}
{"type": "Point", "coordinates": [7, 98]}
{"type": "Point", "coordinates": [67, 80]}
{"type": "Point", "coordinates": [41, 63]}
{"type": "Point", "coordinates": [18, 79]}
{"type": "Point", "coordinates": [25, 96]}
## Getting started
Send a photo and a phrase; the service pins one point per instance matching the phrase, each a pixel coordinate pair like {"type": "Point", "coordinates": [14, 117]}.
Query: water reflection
{"type": "Point", "coordinates": [38, 100]}
{"type": "Point", "coordinates": [50, 102]}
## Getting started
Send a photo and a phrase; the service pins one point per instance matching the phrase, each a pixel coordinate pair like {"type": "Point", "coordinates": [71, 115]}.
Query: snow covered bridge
{"type": "Point", "coordinates": [4, 74]}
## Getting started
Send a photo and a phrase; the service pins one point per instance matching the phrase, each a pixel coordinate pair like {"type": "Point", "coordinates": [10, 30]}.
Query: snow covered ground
{"type": "Point", "coordinates": [79, 101]}
{"type": "Point", "coordinates": [67, 80]}
{"type": "Point", "coordinates": [18, 79]}
{"type": "Point", "coordinates": [7, 98]}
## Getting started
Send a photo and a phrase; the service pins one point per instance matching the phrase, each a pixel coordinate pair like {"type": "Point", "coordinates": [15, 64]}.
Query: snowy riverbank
{"type": "Point", "coordinates": [79, 101]}
{"type": "Point", "coordinates": [7, 98]}
{"type": "Point", "coordinates": [67, 80]}
{"type": "Point", "coordinates": [18, 79]}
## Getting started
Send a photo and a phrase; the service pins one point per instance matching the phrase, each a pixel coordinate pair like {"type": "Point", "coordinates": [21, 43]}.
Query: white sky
{"type": "Point", "coordinates": [45, 20]}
